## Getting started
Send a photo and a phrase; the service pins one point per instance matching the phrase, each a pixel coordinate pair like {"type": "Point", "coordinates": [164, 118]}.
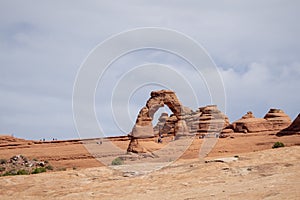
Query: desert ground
{"type": "Point", "coordinates": [242, 166]}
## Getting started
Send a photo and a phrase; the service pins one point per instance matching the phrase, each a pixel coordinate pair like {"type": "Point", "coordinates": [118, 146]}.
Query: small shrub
{"type": "Point", "coordinates": [3, 161]}
{"type": "Point", "coordinates": [49, 167]}
{"type": "Point", "coordinates": [74, 168]}
{"type": "Point", "coordinates": [2, 169]}
{"type": "Point", "coordinates": [22, 172]}
{"type": "Point", "coordinates": [39, 170]}
{"type": "Point", "coordinates": [10, 173]}
{"type": "Point", "coordinates": [278, 145]}
{"type": "Point", "coordinates": [6, 174]}
{"type": "Point", "coordinates": [117, 161]}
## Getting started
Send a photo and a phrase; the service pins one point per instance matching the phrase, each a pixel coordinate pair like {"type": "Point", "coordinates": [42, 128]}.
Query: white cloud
{"type": "Point", "coordinates": [42, 44]}
{"type": "Point", "coordinates": [261, 87]}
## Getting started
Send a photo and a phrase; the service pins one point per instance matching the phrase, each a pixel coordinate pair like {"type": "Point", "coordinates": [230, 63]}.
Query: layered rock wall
{"type": "Point", "coordinates": [274, 120]}
{"type": "Point", "coordinates": [294, 128]}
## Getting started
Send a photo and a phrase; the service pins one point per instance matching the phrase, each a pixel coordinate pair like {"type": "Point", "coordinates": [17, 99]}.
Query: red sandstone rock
{"type": "Point", "coordinates": [144, 128]}
{"type": "Point", "coordinates": [278, 118]}
{"type": "Point", "coordinates": [294, 128]}
{"type": "Point", "coordinates": [212, 119]}
{"type": "Point", "coordinates": [248, 115]}
{"type": "Point", "coordinates": [274, 120]}
{"type": "Point", "coordinates": [135, 147]}
{"type": "Point", "coordinates": [184, 121]}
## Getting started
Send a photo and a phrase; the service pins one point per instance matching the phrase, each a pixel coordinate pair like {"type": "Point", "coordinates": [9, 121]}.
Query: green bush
{"type": "Point", "coordinates": [6, 174]}
{"type": "Point", "coordinates": [3, 161]}
{"type": "Point", "coordinates": [10, 173]}
{"type": "Point", "coordinates": [39, 170]}
{"type": "Point", "coordinates": [278, 145]}
{"type": "Point", "coordinates": [117, 161]}
{"type": "Point", "coordinates": [22, 172]}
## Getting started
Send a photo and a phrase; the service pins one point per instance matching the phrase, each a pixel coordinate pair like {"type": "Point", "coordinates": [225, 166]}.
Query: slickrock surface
{"type": "Point", "coordinates": [269, 174]}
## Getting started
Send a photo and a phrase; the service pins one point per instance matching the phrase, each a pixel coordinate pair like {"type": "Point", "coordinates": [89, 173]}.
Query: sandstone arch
{"type": "Point", "coordinates": [143, 127]}
{"type": "Point", "coordinates": [183, 121]}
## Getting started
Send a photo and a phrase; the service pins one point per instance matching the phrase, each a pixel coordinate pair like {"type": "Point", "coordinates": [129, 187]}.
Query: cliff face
{"type": "Point", "coordinates": [294, 128]}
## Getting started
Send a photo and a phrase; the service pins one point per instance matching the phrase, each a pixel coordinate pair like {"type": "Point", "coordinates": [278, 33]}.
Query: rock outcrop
{"type": "Point", "coordinates": [278, 119]}
{"type": "Point", "coordinates": [294, 128]}
{"type": "Point", "coordinates": [274, 120]}
{"type": "Point", "coordinates": [212, 119]}
{"type": "Point", "coordinates": [206, 120]}
{"type": "Point", "coordinates": [21, 165]}
{"type": "Point", "coordinates": [183, 121]}
{"type": "Point", "coordinates": [143, 127]}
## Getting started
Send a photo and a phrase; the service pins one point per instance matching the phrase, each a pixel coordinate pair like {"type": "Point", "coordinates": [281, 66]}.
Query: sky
{"type": "Point", "coordinates": [254, 44]}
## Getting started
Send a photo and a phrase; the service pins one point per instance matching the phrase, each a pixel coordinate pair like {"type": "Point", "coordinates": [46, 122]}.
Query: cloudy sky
{"type": "Point", "coordinates": [255, 45]}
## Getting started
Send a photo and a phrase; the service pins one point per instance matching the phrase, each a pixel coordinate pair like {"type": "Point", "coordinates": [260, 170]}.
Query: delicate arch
{"type": "Point", "coordinates": [143, 127]}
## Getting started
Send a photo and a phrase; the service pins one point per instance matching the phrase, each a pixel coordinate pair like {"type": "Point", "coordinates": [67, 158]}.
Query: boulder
{"type": "Point", "coordinates": [135, 147]}
{"type": "Point", "coordinates": [248, 115]}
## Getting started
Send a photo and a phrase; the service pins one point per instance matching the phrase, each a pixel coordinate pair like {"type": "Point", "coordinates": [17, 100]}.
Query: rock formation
{"type": "Point", "coordinates": [205, 119]}
{"type": "Point", "coordinates": [212, 119]}
{"type": "Point", "coordinates": [278, 119]}
{"type": "Point", "coordinates": [209, 119]}
{"type": "Point", "coordinates": [143, 127]}
{"type": "Point", "coordinates": [274, 120]}
{"type": "Point", "coordinates": [183, 121]}
{"type": "Point", "coordinates": [294, 128]}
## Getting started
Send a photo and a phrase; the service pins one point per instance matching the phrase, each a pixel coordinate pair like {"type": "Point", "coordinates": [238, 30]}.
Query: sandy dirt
{"type": "Point", "coordinates": [260, 172]}
{"type": "Point", "coordinates": [269, 174]}
{"type": "Point", "coordinates": [81, 154]}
